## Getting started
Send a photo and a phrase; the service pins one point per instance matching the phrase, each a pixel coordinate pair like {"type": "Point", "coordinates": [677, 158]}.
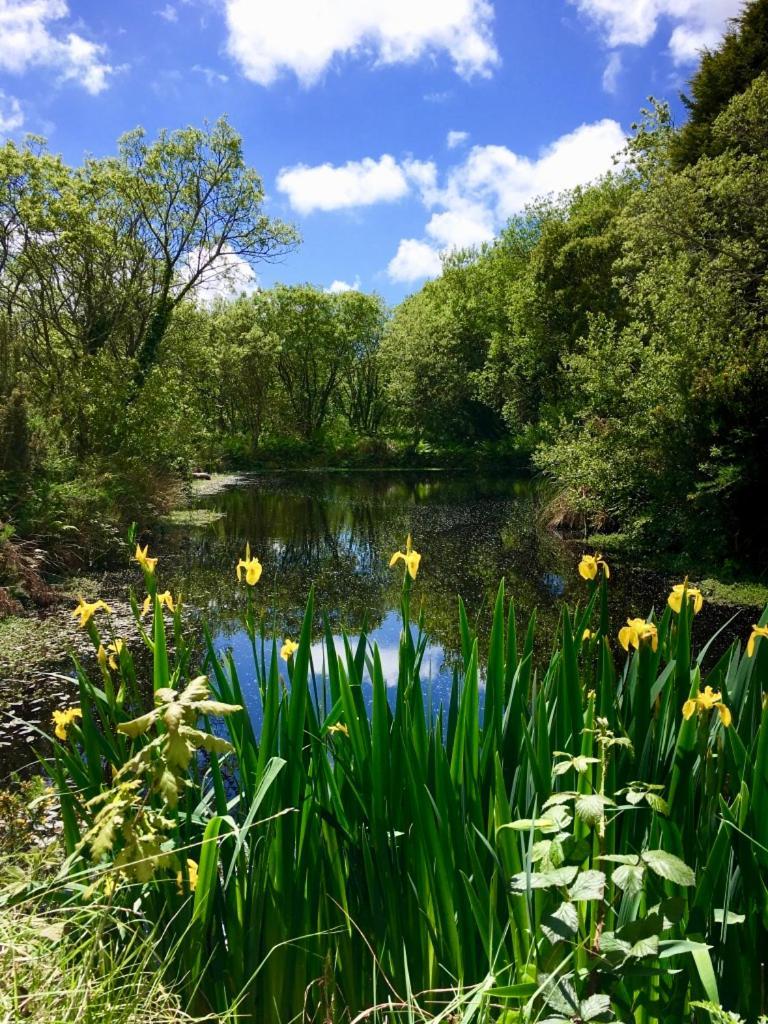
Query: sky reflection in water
{"type": "Point", "coordinates": [337, 531]}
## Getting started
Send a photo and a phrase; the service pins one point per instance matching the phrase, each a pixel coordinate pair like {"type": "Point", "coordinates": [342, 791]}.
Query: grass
{"type": "Point", "coordinates": [576, 850]}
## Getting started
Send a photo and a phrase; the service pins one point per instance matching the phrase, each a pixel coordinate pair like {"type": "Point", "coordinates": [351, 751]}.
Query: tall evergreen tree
{"type": "Point", "coordinates": [722, 74]}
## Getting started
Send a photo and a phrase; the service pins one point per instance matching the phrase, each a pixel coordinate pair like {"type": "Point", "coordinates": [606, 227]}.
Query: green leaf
{"type": "Point", "coordinates": [668, 866]}
{"type": "Point", "coordinates": [590, 807]}
{"type": "Point", "coordinates": [522, 882]}
{"type": "Point", "coordinates": [589, 885]}
{"type": "Point", "coordinates": [593, 1006]}
{"type": "Point", "coordinates": [629, 878]}
{"type": "Point", "coordinates": [562, 924]}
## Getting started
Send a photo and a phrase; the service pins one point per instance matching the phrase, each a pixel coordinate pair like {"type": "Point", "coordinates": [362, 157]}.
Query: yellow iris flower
{"type": "Point", "coordinates": [191, 876]}
{"type": "Point", "coordinates": [252, 566]}
{"type": "Point", "coordinates": [86, 610]}
{"type": "Point", "coordinates": [142, 557]}
{"type": "Point", "coordinates": [675, 599]}
{"type": "Point", "coordinates": [114, 650]}
{"type": "Point", "coordinates": [705, 700]}
{"type": "Point", "coordinates": [757, 632]}
{"type": "Point", "coordinates": [588, 635]}
{"type": "Point", "coordinates": [637, 630]}
{"type": "Point", "coordinates": [163, 599]}
{"type": "Point", "coordinates": [409, 556]}
{"type": "Point", "coordinates": [110, 654]}
{"type": "Point", "coordinates": [288, 649]}
{"type": "Point", "coordinates": [62, 720]}
{"type": "Point", "coordinates": [590, 565]}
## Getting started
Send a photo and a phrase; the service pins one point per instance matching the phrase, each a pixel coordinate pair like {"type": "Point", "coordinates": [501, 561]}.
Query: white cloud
{"type": "Point", "coordinates": [225, 278]}
{"type": "Point", "coordinates": [612, 71]}
{"type": "Point", "coordinates": [304, 36]}
{"type": "Point", "coordinates": [413, 261]}
{"type": "Point", "coordinates": [356, 183]}
{"type": "Point", "coordinates": [11, 115]}
{"type": "Point", "coordinates": [454, 139]}
{"type": "Point", "coordinates": [26, 40]}
{"type": "Point", "coordinates": [211, 75]}
{"type": "Point", "coordinates": [477, 196]}
{"type": "Point", "coordinates": [464, 225]}
{"type": "Point", "coordinates": [337, 287]}
{"type": "Point", "coordinates": [507, 182]}
{"type": "Point", "coordinates": [697, 23]}
{"type": "Point", "coordinates": [168, 13]}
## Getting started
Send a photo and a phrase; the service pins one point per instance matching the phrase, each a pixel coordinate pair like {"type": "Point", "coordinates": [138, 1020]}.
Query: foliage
{"type": "Point", "coordinates": [722, 74]}
{"type": "Point", "coordinates": [577, 849]}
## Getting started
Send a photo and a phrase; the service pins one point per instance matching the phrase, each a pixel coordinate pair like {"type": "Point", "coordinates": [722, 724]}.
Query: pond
{"type": "Point", "coordinates": [337, 531]}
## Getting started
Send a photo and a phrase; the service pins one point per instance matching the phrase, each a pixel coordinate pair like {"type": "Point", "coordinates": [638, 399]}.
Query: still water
{"type": "Point", "coordinates": [337, 532]}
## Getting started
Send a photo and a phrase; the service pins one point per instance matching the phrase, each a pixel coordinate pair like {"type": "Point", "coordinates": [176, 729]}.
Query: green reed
{"type": "Point", "coordinates": [579, 850]}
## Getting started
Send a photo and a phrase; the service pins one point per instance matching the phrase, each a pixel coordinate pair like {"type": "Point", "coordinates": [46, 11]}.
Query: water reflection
{"type": "Point", "coordinates": [337, 532]}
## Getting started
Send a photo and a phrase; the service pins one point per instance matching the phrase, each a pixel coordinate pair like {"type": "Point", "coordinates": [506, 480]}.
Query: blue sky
{"type": "Point", "coordinates": [388, 131]}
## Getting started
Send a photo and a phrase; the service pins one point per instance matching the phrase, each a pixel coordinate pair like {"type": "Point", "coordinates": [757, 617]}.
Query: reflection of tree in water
{"type": "Point", "coordinates": [337, 532]}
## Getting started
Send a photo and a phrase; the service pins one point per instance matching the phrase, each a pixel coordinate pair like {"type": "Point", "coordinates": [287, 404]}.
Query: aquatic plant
{"type": "Point", "coordinates": [578, 840]}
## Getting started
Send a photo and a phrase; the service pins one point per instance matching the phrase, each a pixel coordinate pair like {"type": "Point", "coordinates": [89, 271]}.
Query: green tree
{"type": "Point", "coordinates": [312, 351]}
{"type": "Point", "coordinates": [722, 74]}
{"type": "Point", "coordinates": [361, 392]}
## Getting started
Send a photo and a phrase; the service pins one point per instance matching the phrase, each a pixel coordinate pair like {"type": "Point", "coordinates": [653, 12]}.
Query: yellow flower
{"type": "Point", "coordinates": [590, 565]}
{"type": "Point", "coordinates": [114, 653]}
{"type": "Point", "coordinates": [163, 599]}
{"type": "Point", "coordinates": [252, 566]}
{"type": "Point", "coordinates": [675, 599]}
{"type": "Point", "coordinates": [142, 557]}
{"type": "Point", "coordinates": [63, 719]}
{"type": "Point", "coordinates": [288, 649]}
{"type": "Point", "coordinates": [757, 632]}
{"type": "Point", "coordinates": [409, 556]}
{"type": "Point", "coordinates": [191, 876]}
{"type": "Point", "coordinates": [637, 630]}
{"type": "Point", "coordinates": [588, 635]}
{"type": "Point", "coordinates": [86, 610]}
{"type": "Point", "coordinates": [110, 655]}
{"type": "Point", "coordinates": [705, 700]}
{"type": "Point", "coordinates": [339, 727]}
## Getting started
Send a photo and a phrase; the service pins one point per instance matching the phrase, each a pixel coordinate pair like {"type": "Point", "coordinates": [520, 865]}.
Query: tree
{"type": "Point", "coordinates": [95, 260]}
{"type": "Point", "coordinates": [311, 348]}
{"type": "Point", "coordinates": [722, 74]}
{"type": "Point", "coordinates": [195, 207]}
{"type": "Point", "coordinates": [361, 388]}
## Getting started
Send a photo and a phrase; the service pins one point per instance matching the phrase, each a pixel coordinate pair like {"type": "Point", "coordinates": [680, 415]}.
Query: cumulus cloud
{"type": "Point", "coordinates": [476, 197]}
{"type": "Point", "coordinates": [413, 261]}
{"type": "Point", "coordinates": [28, 38]}
{"type": "Point", "coordinates": [462, 225]}
{"type": "Point", "coordinates": [337, 287]}
{"type": "Point", "coordinates": [697, 23]}
{"type": "Point", "coordinates": [304, 36]}
{"type": "Point", "coordinates": [225, 278]}
{"type": "Point", "coordinates": [356, 183]}
{"type": "Point", "coordinates": [467, 204]}
{"type": "Point", "coordinates": [455, 139]}
{"type": "Point", "coordinates": [11, 115]}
